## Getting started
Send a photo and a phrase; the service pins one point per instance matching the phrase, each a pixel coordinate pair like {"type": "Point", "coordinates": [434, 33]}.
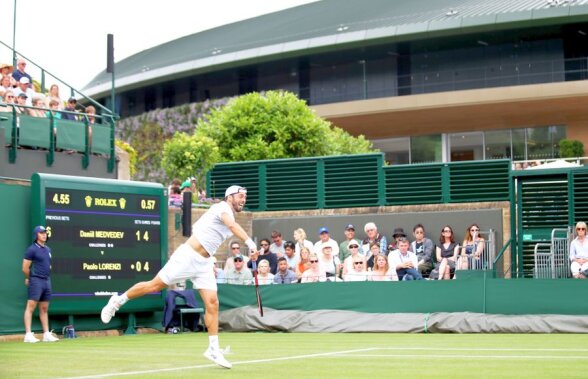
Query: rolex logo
{"type": "Point", "coordinates": [123, 202]}
{"type": "Point", "coordinates": [88, 201]}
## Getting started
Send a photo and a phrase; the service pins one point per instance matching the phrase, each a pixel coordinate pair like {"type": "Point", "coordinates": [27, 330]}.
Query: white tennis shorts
{"type": "Point", "coordinates": [184, 264]}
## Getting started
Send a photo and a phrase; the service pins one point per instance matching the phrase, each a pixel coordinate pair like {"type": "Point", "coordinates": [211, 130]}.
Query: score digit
{"type": "Point", "coordinates": [145, 235]}
{"type": "Point", "coordinates": [147, 204]}
{"type": "Point", "coordinates": [61, 198]}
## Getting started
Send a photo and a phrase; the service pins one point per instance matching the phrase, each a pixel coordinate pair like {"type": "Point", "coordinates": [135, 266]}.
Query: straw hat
{"type": "Point", "coordinates": [4, 65]}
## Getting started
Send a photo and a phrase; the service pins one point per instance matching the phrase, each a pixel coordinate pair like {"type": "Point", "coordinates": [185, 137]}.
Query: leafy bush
{"type": "Point", "coordinates": [571, 148]}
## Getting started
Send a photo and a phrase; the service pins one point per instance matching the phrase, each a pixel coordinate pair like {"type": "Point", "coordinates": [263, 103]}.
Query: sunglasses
{"type": "Point", "coordinates": [357, 263]}
{"type": "Point", "coordinates": [354, 246]}
{"type": "Point", "coordinates": [238, 260]}
{"type": "Point", "coordinates": [235, 248]}
{"type": "Point", "coordinates": [316, 261]}
{"type": "Point", "coordinates": [580, 228]}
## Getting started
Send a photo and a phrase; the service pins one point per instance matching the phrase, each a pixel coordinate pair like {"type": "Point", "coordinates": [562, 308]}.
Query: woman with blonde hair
{"type": "Point", "coordinates": [53, 94]}
{"type": "Point", "coordinates": [471, 249]}
{"type": "Point", "coordinates": [579, 252]}
{"type": "Point", "coordinates": [381, 271]}
{"type": "Point", "coordinates": [301, 241]}
{"type": "Point", "coordinates": [304, 263]}
{"type": "Point", "coordinates": [314, 273]}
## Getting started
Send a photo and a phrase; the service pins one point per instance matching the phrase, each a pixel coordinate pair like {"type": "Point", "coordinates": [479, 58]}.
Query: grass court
{"type": "Point", "coordinates": [299, 355]}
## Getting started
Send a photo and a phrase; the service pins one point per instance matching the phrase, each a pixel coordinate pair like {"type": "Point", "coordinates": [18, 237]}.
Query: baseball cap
{"type": "Point", "coordinates": [72, 100]}
{"type": "Point", "coordinates": [398, 232]}
{"type": "Point", "coordinates": [234, 190]}
{"type": "Point", "coordinates": [38, 229]}
{"type": "Point", "coordinates": [186, 184]}
{"type": "Point", "coordinates": [238, 256]}
{"type": "Point", "coordinates": [24, 80]}
{"type": "Point", "coordinates": [22, 94]}
{"type": "Point", "coordinates": [324, 229]}
{"type": "Point", "coordinates": [349, 227]}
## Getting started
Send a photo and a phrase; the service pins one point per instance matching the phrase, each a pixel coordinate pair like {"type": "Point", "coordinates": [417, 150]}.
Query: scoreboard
{"type": "Point", "coordinates": [105, 235]}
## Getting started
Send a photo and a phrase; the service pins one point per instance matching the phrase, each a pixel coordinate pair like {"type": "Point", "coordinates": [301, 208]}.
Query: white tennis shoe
{"type": "Point", "coordinates": [109, 309]}
{"type": "Point", "coordinates": [217, 357]}
{"type": "Point", "coordinates": [30, 338]}
{"type": "Point", "coordinates": [49, 337]}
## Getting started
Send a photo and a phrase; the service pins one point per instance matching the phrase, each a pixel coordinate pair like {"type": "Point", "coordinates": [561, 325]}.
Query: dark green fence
{"type": "Point", "coordinates": [360, 181]}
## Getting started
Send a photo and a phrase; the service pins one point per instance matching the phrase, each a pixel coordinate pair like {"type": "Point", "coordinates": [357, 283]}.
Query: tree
{"type": "Point", "coordinates": [569, 148]}
{"type": "Point", "coordinates": [187, 155]}
{"type": "Point", "coordinates": [275, 125]}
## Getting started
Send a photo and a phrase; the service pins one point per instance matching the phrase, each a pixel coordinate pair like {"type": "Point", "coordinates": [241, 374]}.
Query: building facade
{"type": "Point", "coordinates": [425, 81]}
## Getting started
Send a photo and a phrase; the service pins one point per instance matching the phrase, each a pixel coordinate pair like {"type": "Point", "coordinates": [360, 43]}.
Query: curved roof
{"type": "Point", "coordinates": [330, 24]}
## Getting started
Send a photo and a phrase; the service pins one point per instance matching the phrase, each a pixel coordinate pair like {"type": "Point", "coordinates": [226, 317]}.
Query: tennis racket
{"type": "Point", "coordinates": [258, 296]}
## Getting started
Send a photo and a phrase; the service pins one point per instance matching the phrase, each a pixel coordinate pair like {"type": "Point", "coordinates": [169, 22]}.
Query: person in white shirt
{"type": "Point", "coordinates": [193, 260]}
{"type": "Point", "coordinates": [277, 247]}
{"type": "Point", "coordinates": [579, 252]}
{"type": "Point", "coordinates": [301, 241]}
{"type": "Point", "coordinates": [264, 276]}
{"type": "Point", "coordinates": [325, 238]}
{"type": "Point", "coordinates": [404, 262]}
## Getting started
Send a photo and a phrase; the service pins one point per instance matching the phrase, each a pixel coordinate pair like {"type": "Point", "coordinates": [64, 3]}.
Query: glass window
{"type": "Point", "coordinates": [396, 150]}
{"type": "Point", "coordinates": [558, 132]}
{"type": "Point", "coordinates": [518, 145]}
{"type": "Point", "coordinates": [466, 146]}
{"type": "Point", "coordinates": [497, 144]}
{"type": "Point", "coordinates": [425, 149]}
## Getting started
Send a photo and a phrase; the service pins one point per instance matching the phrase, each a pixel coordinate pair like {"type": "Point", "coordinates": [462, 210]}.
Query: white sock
{"type": "Point", "coordinates": [213, 342]}
{"type": "Point", "coordinates": [123, 298]}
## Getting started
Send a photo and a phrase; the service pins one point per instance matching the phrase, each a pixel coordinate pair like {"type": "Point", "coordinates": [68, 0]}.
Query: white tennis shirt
{"type": "Point", "coordinates": [210, 229]}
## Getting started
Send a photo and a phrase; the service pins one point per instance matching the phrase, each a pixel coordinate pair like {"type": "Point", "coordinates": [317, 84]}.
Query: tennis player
{"type": "Point", "coordinates": [193, 260]}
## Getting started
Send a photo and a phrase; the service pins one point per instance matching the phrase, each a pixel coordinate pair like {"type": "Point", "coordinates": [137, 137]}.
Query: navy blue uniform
{"type": "Point", "coordinates": [39, 279]}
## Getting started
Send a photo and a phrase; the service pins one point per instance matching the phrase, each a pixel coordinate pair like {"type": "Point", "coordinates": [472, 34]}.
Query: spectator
{"type": "Point", "coordinates": [373, 237]}
{"type": "Point", "coordinates": [20, 73]}
{"type": "Point", "coordinates": [8, 99]}
{"type": "Point", "coordinates": [326, 239]}
{"type": "Point", "coordinates": [358, 273]}
{"type": "Point", "coordinates": [373, 254]}
{"type": "Point", "coordinates": [579, 252]}
{"type": "Point", "coordinates": [239, 274]}
{"type": "Point", "coordinates": [314, 273]}
{"type": "Point", "coordinates": [264, 253]}
{"type": "Point", "coordinates": [330, 263]}
{"type": "Point", "coordinates": [219, 273]}
{"type": "Point", "coordinates": [91, 114]}
{"type": "Point", "coordinates": [185, 187]}
{"type": "Point", "coordinates": [5, 84]}
{"type": "Point", "coordinates": [382, 271]}
{"type": "Point", "coordinates": [264, 276]}
{"type": "Point", "coordinates": [284, 274]}
{"type": "Point", "coordinates": [471, 249]}
{"type": "Point", "coordinates": [301, 241]}
{"type": "Point", "coordinates": [53, 110]}
{"type": "Point", "coordinates": [54, 95]}
{"type": "Point", "coordinates": [405, 262]}
{"type": "Point", "coordinates": [6, 71]}
{"type": "Point", "coordinates": [446, 253]}
{"type": "Point", "coordinates": [21, 99]}
{"type": "Point", "coordinates": [234, 251]}
{"type": "Point", "coordinates": [71, 107]}
{"type": "Point", "coordinates": [38, 104]}
{"type": "Point", "coordinates": [353, 247]}
{"type": "Point", "coordinates": [289, 254]}
{"type": "Point", "coordinates": [277, 247]}
{"type": "Point", "coordinates": [398, 233]}
{"type": "Point", "coordinates": [423, 247]}
{"type": "Point", "coordinates": [175, 196]}
{"type": "Point", "coordinates": [304, 263]}
{"type": "Point", "coordinates": [349, 235]}
{"type": "Point", "coordinates": [23, 87]}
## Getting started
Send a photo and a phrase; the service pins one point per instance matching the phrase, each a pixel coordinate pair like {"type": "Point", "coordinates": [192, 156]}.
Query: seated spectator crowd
{"type": "Point", "coordinates": [372, 258]}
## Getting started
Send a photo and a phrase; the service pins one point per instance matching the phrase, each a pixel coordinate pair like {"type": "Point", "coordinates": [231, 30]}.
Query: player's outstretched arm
{"type": "Point", "coordinates": [238, 231]}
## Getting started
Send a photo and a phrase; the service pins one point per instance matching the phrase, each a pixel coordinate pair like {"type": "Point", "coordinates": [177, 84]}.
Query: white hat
{"type": "Point", "coordinates": [24, 80]}
{"type": "Point", "coordinates": [235, 189]}
{"type": "Point", "coordinates": [353, 242]}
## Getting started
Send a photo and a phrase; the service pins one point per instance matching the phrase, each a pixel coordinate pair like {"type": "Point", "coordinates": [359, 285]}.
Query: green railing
{"type": "Point", "coordinates": [360, 181]}
{"type": "Point", "coordinates": [52, 133]}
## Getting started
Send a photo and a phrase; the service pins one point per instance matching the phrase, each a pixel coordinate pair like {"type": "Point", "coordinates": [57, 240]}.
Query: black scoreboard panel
{"type": "Point", "coordinates": [105, 235]}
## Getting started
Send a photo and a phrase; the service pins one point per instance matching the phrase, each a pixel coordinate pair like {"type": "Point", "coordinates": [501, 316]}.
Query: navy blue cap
{"type": "Point", "coordinates": [323, 230]}
{"type": "Point", "coordinates": [349, 227]}
{"type": "Point", "coordinates": [38, 229]}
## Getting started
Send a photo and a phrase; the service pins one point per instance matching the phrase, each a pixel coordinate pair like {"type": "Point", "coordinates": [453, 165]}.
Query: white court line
{"type": "Point", "coordinates": [344, 353]}
{"type": "Point", "coordinates": [109, 375]}
{"type": "Point", "coordinates": [468, 356]}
